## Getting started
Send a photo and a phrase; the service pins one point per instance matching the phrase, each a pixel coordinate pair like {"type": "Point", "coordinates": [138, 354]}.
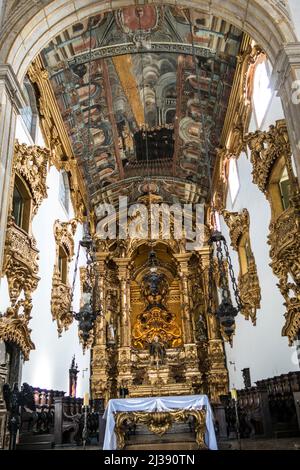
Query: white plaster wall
{"type": "Point", "coordinates": [48, 365]}
{"type": "Point", "coordinates": [294, 7]}
{"type": "Point", "coordinates": [260, 347]}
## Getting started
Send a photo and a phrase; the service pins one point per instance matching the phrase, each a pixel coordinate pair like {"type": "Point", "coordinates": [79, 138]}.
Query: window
{"type": "Point", "coordinates": [29, 113]}
{"type": "Point", "coordinates": [21, 204]}
{"type": "Point", "coordinates": [262, 92]}
{"type": "Point", "coordinates": [245, 253]}
{"type": "Point", "coordinates": [233, 180]}
{"type": "Point", "coordinates": [279, 188]}
{"type": "Point", "coordinates": [285, 187]}
{"type": "Point", "coordinates": [63, 264]}
{"type": "Point", "coordinates": [64, 190]}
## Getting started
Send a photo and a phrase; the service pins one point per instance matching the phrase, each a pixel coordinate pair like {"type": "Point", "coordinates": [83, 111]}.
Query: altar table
{"type": "Point", "coordinates": [189, 402]}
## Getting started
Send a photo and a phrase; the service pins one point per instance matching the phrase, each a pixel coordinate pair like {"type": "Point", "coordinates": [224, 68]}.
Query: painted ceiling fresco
{"type": "Point", "coordinates": [143, 91]}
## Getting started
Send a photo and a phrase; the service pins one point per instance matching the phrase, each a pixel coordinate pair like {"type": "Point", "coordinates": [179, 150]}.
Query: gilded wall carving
{"type": "Point", "coordinates": [237, 118]}
{"type": "Point", "coordinates": [248, 282]}
{"type": "Point", "coordinates": [31, 163]}
{"type": "Point", "coordinates": [56, 136]}
{"type": "Point", "coordinates": [61, 290]}
{"type": "Point", "coordinates": [271, 150]}
{"type": "Point", "coordinates": [21, 254]}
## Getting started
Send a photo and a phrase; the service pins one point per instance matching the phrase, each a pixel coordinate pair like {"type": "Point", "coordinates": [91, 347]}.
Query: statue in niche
{"type": "Point", "coordinates": [110, 334]}
{"type": "Point", "coordinates": [201, 328]}
{"type": "Point", "coordinates": [157, 352]}
{"type": "Point", "coordinates": [156, 320]}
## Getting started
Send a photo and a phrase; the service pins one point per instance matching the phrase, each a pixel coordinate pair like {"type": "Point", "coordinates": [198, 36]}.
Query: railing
{"type": "Point", "coordinates": [50, 412]}
{"type": "Point", "coordinates": [69, 420]}
{"type": "Point", "coordinates": [271, 409]}
{"type": "Point", "coordinates": [38, 416]}
{"type": "Point", "coordinates": [161, 167]}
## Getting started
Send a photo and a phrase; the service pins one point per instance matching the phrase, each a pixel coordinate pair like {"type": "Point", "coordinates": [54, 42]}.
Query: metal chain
{"type": "Point", "coordinates": [223, 283]}
{"type": "Point", "coordinates": [74, 276]}
{"type": "Point", "coordinates": [232, 277]}
{"type": "Point", "coordinates": [210, 282]}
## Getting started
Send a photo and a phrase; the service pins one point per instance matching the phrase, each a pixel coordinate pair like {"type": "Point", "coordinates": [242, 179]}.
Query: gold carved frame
{"type": "Point", "coordinates": [160, 422]}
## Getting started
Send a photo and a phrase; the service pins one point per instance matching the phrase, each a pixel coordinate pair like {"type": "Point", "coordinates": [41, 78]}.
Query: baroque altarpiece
{"type": "Point", "coordinates": [168, 307]}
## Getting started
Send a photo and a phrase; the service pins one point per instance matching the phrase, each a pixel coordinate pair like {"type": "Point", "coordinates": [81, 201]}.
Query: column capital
{"type": "Point", "coordinates": [122, 264]}
{"type": "Point", "coordinates": [183, 260]}
{"type": "Point", "coordinates": [13, 87]}
{"type": "Point", "coordinates": [100, 261]}
{"type": "Point", "coordinates": [101, 256]}
{"type": "Point", "coordinates": [287, 59]}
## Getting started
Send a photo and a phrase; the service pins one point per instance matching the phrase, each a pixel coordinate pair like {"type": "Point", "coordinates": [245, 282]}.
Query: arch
{"type": "Point", "coordinates": [32, 25]}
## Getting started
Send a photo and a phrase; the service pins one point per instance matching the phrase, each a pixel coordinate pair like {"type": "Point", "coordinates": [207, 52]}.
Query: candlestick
{"type": "Point", "coordinates": [86, 399]}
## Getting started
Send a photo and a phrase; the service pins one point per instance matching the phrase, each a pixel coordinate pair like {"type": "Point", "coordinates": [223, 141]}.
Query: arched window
{"type": "Point", "coordinates": [233, 180]}
{"type": "Point", "coordinates": [21, 204]}
{"type": "Point", "coordinates": [245, 253]}
{"type": "Point", "coordinates": [29, 113]}
{"type": "Point", "coordinates": [63, 264]}
{"type": "Point", "coordinates": [64, 190]}
{"type": "Point", "coordinates": [262, 92]}
{"type": "Point", "coordinates": [279, 188]}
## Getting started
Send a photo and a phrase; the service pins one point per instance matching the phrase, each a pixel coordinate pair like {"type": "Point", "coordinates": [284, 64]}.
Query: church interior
{"type": "Point", "coordinates": [150, 224]}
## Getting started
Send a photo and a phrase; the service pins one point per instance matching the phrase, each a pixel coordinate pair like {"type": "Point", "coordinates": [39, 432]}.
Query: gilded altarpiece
{"type": "Point", "coordinates": [166, 307]}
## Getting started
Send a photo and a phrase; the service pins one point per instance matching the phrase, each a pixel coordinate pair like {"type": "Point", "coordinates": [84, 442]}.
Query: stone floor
{"type": "Point", "coordinates": [262, 444]}
{"type": "Point", "coordinates": [244, 444]}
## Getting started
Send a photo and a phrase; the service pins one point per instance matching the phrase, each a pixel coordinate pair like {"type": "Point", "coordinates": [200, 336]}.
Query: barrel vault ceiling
{"type": "Point", "coordinates": [117, 73]}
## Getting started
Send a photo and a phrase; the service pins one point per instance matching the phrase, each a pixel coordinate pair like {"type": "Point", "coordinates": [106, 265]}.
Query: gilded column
{"type": "Point", "coordinates": [124, 362]}
{"type": "Point", "coordinates": [99, 376]}
{"type": "Point", "coordinates": [192, 373]}
{"type": "Point", "coordinates": [183, 261]}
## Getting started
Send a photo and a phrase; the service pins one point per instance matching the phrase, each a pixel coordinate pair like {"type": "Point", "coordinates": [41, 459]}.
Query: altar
{"type": "Point", "coordinates": [159, 413]}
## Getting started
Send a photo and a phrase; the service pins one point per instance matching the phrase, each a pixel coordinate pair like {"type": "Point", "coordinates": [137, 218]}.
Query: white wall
{"type": "Point", "coordinates": [48, 365]}
{"type": "Point", "coordinates": [294, 7]}
{"type": "Point", "coordinates": [260, 347]}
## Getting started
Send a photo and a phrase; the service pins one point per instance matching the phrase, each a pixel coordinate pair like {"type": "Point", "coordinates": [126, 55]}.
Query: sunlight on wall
{"type": "Point", "coordinates": [233, 179]}
{"type": "Point", "coordinates": [262, 92]}
{"type": "Point", "coordinates": [41, 375]}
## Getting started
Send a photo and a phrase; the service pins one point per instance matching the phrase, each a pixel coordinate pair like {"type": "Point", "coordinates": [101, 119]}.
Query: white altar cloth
{"type": "Point", "coordinates": [188, 402]}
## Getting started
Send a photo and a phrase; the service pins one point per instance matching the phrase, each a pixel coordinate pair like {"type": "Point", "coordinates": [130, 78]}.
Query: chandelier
{"type": "Point", "coordinates": [225, 312]}
{"type": "Point", "coordinates": [88, 312]}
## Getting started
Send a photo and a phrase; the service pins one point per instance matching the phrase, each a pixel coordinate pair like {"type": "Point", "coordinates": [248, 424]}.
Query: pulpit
{"type": "Point", "coordinates": [159, 414]}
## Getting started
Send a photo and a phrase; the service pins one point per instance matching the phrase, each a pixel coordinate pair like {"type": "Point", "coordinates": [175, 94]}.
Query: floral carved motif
{"type": "Point", "coordinates": [31, 163]}
{"type": "Point", "coordinates": [284, 239]}
{"type": "Point", "coordinates": [248, 282]}
{"type": "Point", "coordinates": [61, 303]}
{"type": "Point", "coordinates": [267, 148]}
{"type": "Point", "coordinates": [21, 255]}
{"type": "Point", "coordinates": [61, 297]}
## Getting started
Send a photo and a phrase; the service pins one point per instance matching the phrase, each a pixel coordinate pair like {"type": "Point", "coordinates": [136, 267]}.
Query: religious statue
{"type": "Point", "coordinates": [156, 319]}
{"type": "Point", "coordinates": [110, 334]}
{"type": "Point", "coordinates": [157, 351]}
